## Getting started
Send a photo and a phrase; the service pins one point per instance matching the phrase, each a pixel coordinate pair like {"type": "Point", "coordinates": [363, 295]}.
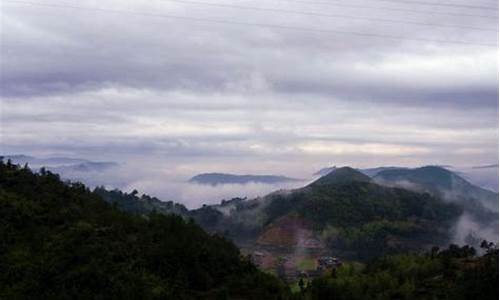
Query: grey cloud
{"type": "Point", "coordinates": [411, 96]}
{"type": "Point", "coordinates": [216, 97]}
{"type": "Point", "coordinates": [148, 53]}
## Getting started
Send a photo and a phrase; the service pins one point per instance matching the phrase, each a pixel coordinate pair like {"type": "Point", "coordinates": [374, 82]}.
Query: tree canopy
{"type": "Point", "coordinates": [59, 240]}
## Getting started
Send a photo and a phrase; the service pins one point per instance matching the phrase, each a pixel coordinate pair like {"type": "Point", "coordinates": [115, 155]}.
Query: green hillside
{"type": "Point", "coordinates": [62, 241]}
{"type": "Point", "coordinates": [353, 213]}
{"type": "Point", "coordinates": [455, 273]}
{"type": "Point", "coordinates": [350, 213]}
{"type": "Point", "coordinates": [143, 204]}
{"type": "Point", "coordinates": [442, 183]}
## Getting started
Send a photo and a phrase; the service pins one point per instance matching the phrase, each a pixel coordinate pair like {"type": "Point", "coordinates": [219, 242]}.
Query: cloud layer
{"type": "Point", "coordinates": [121, 81]}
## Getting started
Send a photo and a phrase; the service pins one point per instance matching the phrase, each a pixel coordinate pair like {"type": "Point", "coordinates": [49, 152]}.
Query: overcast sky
{"type": "Point", "coordinates": [355, 83]}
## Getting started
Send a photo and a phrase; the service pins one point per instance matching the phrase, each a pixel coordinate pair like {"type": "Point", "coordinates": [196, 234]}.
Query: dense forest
{"type": "Point", "coordinates": [352, 214]}
{"type": "Point", "coordinates": [365, 220]}
{"type": "Point", "coordinates": [62, 241]}
{"type": "Point", "coordinates": [140, 204]}
{"type": "Point", "coordinates": [454, 273]}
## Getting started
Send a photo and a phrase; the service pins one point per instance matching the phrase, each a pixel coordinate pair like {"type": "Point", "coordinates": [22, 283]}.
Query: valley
{"type": "Point", "coordinates": [343, 226]}
{"type": "Point", "coordinates": [344, 215]}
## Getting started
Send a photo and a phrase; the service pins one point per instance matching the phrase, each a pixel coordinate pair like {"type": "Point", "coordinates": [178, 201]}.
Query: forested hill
{"type": "Point", "coordinates": [349, 212]}
{"type": "Point", "coordinates": [352, 213]}
{"type": "Point", "coordinates": [454, 273]}
{"type": "Point", "coordinates": [442, 183]}
{"type": "Point", "coordinates": [62, 241]}
{"type": "Point", "coordinates": [143, 204]}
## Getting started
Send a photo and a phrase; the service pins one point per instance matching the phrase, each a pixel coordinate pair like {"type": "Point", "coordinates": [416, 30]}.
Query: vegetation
{"type": "Point", "coordinates": [307, 263]}
{"type": "Point", "coordinates": [59, 240]}
{"type": "Point", "coordinates": [445, 184]}
{"type": "Point", "coordinates": [455, 273]}
{"type": "Point", "coordinates": [62, 241]}
{"type": "Point", "coordinates": [367, 219]}
{"type": "Point", "coordinates": [143, 204]}
{"type": "Point", "coordinates": [355, 217]}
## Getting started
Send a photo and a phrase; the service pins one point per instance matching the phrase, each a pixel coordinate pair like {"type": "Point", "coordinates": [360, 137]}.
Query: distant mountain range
{"type": "Point", "coordinates": [439, 182]}
{"type": "Point", "coordinates": [63, 241]}
{"type": "Point", "coordinates": [485, 176]}
{"type": "Point", "coordinates": [222, 178]}
{"type": "Point", "coordinates": [345, 212]}
{"type": "Point", "coordinates": [50, 161]}
{"type": "Point", "coordinates": [62, 165]}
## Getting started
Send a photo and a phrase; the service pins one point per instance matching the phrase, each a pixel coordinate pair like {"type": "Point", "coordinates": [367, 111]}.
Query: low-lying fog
{"type": "Point", "coordinates": [170, 181]}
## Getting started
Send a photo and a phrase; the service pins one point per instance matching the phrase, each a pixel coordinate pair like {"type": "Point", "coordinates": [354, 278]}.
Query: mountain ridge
{"type": "Point", "coordinates": [226, 178]}
{"type": "Point", "coordinates": [440, 182]}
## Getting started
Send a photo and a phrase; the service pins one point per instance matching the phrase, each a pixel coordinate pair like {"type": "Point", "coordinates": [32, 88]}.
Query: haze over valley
{"type": "Point", "coordinates": [178, 185]}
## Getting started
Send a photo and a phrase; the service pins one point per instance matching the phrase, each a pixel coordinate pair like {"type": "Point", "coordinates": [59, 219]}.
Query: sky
{"type": "Point", "coordinates": [173, 88]}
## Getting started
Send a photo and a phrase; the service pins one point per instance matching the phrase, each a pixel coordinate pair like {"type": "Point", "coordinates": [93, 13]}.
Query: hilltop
{"type": "Point", "coordinates": [342, 175]}
{"type": "Point", "coordinates": [353, 213]}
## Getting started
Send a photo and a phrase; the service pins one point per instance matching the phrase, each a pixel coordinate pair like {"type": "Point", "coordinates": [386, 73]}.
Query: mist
{"type": "Point", "coordinates": [170, 183]}
{"type": "Point", "coordinates": [467, 231]}
{"type": "Point", "coordinates": [485, 177]}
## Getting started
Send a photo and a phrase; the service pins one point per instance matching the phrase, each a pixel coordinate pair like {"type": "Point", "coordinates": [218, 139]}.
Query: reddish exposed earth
{"type": "Point", "coordinates": [290, 231]}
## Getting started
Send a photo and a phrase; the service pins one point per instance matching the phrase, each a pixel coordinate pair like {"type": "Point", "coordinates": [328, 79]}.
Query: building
{"type": "Point", "coordinates": [328, 262]}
